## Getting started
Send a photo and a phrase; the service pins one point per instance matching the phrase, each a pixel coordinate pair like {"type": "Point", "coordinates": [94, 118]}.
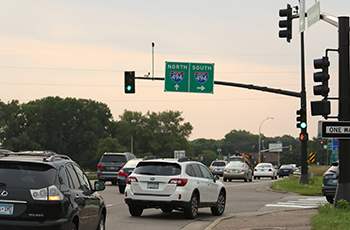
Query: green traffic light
{"type": "Point", "coordinates": [303, 125]}
{"type": "Point", "coordinates": [128, 88]}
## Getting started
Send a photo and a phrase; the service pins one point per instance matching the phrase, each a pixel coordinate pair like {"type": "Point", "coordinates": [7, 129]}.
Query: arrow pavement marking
{"type": "Point", "coordinates": [201, 88]}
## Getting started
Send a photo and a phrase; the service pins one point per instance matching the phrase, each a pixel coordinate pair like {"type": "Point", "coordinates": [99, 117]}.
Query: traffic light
{"type": "Point", "coordinates": [301, 119]}
{"type": "Point", "coordinates": [287, 24]}
{"type": "Point", "coordinates": [322, 107]}
{"type": "Point", "coordinates": [322, 76]}
{"type": "Point", "coordinates": [129, 79]}
{"type": "Point", "coordinates": [303, 136]}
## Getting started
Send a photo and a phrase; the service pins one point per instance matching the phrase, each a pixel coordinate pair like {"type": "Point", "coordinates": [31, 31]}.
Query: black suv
{"type": "Point", "coordinates": [110, 164]}
{"type": "Point", "coordinates": [330, 182]}
{"type": "Point", "coordinates": [44, 190]}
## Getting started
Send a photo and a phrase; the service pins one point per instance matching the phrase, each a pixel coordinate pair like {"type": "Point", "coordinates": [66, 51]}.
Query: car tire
{"type": "Point", "coordinates": [255, 178]}
{"type": "Point", "coordinates": [225, 179]}
{"type": "Point", "coordinates": [135, 210]}
{"type": "Point", "coordinates": [191, 212]}
{"type": "Point", "coordinates": [251, 179]}
{"type": "Point", "coordinates": [73, 227]}
{"type": "Point", "coordinates": [166, 209]}
{"type": "Point", "coordinates": [114, 182]}
{"type": "Point", "coordinates": [220, 204]}
{"type": "Point", "coordinates": [330, 199]}
{"type": "Point", "coordinates": [121, 189]}
{"type": "Point", "coordinates": [101, 224]}
{"type": "Point", "coordinates": [246, 179]}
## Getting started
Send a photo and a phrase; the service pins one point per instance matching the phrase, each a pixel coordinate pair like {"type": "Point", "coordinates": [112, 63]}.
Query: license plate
{"type": "Point", "coordinates": [111, 168]}
{"type": "Point", "coordinates": [233, 170]}
{"type": "Point", "coordinates": [262, 170]}
{"type": "Point", "coordinates": [6, 209]}
{"type": "Point", "coordinates": [335, 181]}
{"type": "Point", "coordinates": [152, 185]}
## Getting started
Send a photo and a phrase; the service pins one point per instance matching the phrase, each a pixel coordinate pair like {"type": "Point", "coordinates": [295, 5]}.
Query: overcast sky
{"type": "Point", "coordinates": [81, 48]}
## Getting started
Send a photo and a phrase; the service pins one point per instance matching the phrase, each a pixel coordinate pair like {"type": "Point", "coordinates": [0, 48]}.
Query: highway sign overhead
{"type": "Point", "coordinates": [330, 129]}
{"type": "Point", "coordinates": [189, 77]}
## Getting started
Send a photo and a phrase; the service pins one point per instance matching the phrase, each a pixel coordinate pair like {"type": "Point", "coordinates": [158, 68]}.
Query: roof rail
{"type": "Point", "coordinates": [152, 158]}
{"type": "Point", "coordinates": [183, 159]}
{"type": "Point", "coordinates": [55, 157]}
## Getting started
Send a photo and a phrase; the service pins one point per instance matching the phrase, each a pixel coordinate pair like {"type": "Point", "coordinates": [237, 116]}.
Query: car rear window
{"type": "Point", "coordinates": [286, 167]}
{"type": "Point", "coordinates": [219, 164]}
{"type": "Point", "coordinates": [158, 168]}
{"type": "Point", "coordinates": [114, 158]}
{"type": "Point", "coordinates": [26, 175]}
{"type": "Point", "coordinates": [235, 164]}
{"type": "Point", "coordinates": [264, 166]}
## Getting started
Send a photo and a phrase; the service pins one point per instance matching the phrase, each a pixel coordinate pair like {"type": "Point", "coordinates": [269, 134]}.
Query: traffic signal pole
{"type": "Point", "coordinates": [304, 179]}
{"type": "Point", "coordinates": [343, 188]}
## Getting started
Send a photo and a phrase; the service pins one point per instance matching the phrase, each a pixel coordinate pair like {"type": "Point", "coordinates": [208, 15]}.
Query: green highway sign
{"type": "Point", "coordinates": [189, 77]}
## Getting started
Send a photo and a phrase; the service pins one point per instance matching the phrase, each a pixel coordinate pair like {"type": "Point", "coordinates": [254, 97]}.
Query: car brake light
{"type": "Point", "coordinates": [242, 170]}
{"type": "Point", "coordinates": [131, 179]}
{"type": "Point", "coordinates": [122, 173]}
{"type": "Point", "coordinates": [270, 169]}
{"type": "Point", "coordinates": [99, 166]}
{"type": "Point", "coordinates": [209, 168]}
{"type": "Point", "coordinates": [255, 170]}
{"type": "Point", "coordinates": [280, 170]}
{"type": "Point", "coordinates": [178, 181]}
{"type": "Point", "coordinates": [291, 170]}
{"type": "Point", "coordinates": [324, 174]}
{"type": "Point", "coordinates": [48, 193]}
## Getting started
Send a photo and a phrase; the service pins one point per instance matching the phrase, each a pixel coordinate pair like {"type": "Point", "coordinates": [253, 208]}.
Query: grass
{"type": "Point", "coordinates": [328, 217]}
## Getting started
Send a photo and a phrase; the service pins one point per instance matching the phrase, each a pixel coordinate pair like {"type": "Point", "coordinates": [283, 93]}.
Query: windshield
{"type": "Point", "coordinates": [158, 168]}
{"type": "Point", "coordinates": [26, 175]}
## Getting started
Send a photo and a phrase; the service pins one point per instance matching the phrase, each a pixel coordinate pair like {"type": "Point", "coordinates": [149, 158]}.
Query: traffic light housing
{"type": "Point", "coordinates": [322, 107]}
{"type": "Point", "coordinates": [322, 76]}
{"type": "Point", "coordinates": [287, 24]}
{"type": "Point", "coordinates": [301, 118]}
{"type": "Point", "coordinates": [129, 81]}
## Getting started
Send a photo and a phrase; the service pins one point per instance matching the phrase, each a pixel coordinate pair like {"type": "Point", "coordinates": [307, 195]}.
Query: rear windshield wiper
{"type": "Point", "coordinates": [2, 184]}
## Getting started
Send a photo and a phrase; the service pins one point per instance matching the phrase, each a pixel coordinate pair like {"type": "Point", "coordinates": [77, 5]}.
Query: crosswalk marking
{"type": "Point", "coordinates": [313, 202]}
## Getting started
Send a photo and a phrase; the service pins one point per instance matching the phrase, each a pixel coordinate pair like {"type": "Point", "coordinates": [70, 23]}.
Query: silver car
{"type": "Point", "coordinates": [238, 170]}
{"type": "Point", "coordinates": [217, 167]}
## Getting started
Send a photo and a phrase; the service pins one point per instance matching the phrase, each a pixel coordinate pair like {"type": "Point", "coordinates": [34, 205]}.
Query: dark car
{"type": "Point", "coordinates": [124, 172]}
{"type": "Point", "coordinates": [285, 170]}
{"type": "Point", "coordinates": [110, 164]}
{"type": "Point", "coordinates": [330, 182]}
{"type": "Point", "coordinates": [48, 191]}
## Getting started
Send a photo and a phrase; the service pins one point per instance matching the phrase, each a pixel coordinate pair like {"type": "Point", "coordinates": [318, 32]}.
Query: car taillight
{"type": "Point", "coordinates": [99, 166]}
{"type": "Point", "coordinates": [47, 193]}
{"type": "Point", "coordinates": [324, 174]}
{"type": "Point", "coordinates": [178, 181]}
{"type": "Point", "coordinates": [280, 170]}
{"type": "Point", "coordinates": [209, 168]}
{"type": "Point", "coordinates": [270, 169]}
{"type": "Point", "coordinates": [131, 179]}
{"type": "Point", "coordinates": [122, 173]}
{"type": "Point", "coordinates": [242, 170]}
{"type": "Point", "coordinates": [255, 170]}
{"type": "Point", "coordinates": [291, 170]}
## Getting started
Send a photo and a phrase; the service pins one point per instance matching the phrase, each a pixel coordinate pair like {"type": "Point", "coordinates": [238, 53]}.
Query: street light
{"type": "Point", "coordinates": [260, 137]}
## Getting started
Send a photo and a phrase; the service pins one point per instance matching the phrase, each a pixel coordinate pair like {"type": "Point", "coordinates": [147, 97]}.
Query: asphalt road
{"type": "Point", "coordinates": [242, 198]}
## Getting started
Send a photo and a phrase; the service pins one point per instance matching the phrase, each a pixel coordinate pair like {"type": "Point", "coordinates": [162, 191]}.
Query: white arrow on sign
{"type": "Point", "coordinates": [201, 88]}
{"type": "Point", "coordinates": [177, 86]}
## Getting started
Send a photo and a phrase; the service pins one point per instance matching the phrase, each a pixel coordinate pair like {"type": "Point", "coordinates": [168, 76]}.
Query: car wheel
{"type": "Point", "coordinates": [276, 177]}
{"type": "Point", "coordinates": [330, 199]}
{"type": "Point", "coordinates": [191, 212]}
{"type": "Point", "coordinates": [258, 178]}
{"type": "Point", "coordinates": [101, 223]}
{"type": "Point", "coordinates": [135, 210]}
{"type": "Point", "coordinates": [245, 179]}
{"type": "Point", "coordinates": [272, 177]}
{"type": "Point", "coordinates": [230, 180]}
{"type": "Point", "coordinates": [121, 189]}
{"type": "Point", "coordinates": [251, 179]}
{"type": "Point", "coordinates": [166, 209]}
{"type": "Point", "coordinates": [255, 178]}
{"type": "Point", "coordinates": [114, 182]}
{"type": "Point", "coordinates": [73, 226]}
{"type": "Point", "coordinates": [225, 179]}
{"type": "Point", "coordinates": [219, 207]}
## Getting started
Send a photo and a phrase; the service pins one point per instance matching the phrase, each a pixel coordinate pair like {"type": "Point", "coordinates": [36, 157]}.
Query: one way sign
{"type": "Point", "coordinates": [333, 129]}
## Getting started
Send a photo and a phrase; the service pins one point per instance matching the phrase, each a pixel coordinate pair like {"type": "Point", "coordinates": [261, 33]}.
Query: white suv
{"type": "Point", "coordinates": [168, 184]}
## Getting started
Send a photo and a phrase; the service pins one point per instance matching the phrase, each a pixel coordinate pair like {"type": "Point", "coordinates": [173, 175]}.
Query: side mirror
{"type": "Point", "coordinates": [99, 186]}
{"type": "Point", "coordinates": [216, 177]}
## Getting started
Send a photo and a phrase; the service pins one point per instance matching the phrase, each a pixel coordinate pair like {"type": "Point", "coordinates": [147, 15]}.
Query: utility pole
{"type": "Point", "coordinates": [343, 189]}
